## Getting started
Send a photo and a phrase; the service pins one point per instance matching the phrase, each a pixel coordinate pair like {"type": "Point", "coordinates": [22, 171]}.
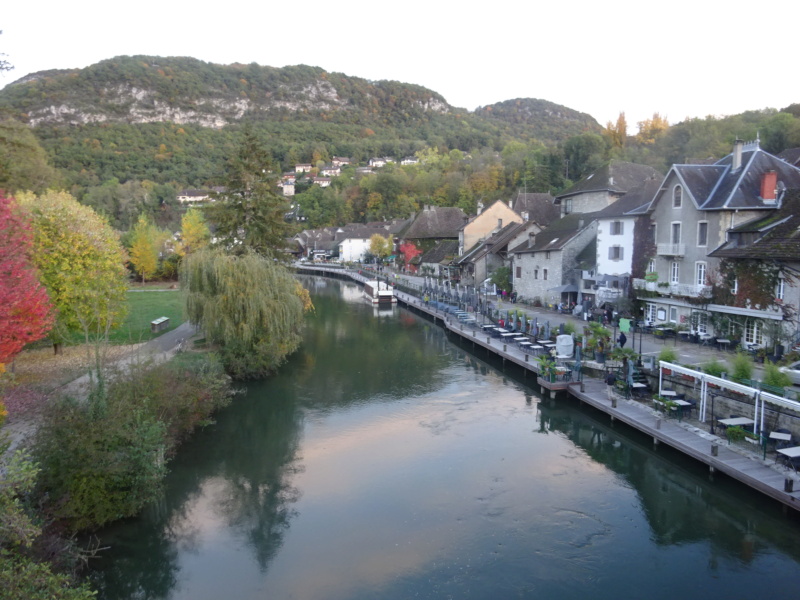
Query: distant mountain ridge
{"type": "Point", "coordinates": [148, 89]}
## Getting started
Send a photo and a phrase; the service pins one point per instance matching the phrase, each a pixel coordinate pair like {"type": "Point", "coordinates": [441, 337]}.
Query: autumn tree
{"type": "Point", "coordinates": [380, 246]}
{"type": "Point", "coordinates": [249, 214]}
{"type": "Point", "coordinates": [195, 234]}
{"type": "Point", "coordinates": [25, 311]}
{"type": "Point", "coordinates": [651, 129]}
{"type": "Point", "coordinates": [81, 263]}
{"type": "Point", "coordinates": [144, 248]}
{"type": "Point", "coordinates": [248, 305]}
{"type": "Point", "coordinates": [409, 252]}
{"type": "Point", "coordinates": [617, 132]}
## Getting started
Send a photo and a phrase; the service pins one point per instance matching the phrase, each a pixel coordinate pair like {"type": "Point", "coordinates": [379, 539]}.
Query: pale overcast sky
{"type": "Point", "coordinates": [688, 59]}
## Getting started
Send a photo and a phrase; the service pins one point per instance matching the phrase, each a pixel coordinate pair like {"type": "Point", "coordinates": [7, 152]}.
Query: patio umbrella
{"type": "Point", "coordinates": [547, 330]}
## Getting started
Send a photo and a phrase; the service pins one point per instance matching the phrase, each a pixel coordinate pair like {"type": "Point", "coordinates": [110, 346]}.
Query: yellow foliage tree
{"type": "Point", "coordinates": [144, 248]}
{"type": "Point", "coordinates": [617, 132]}
{"type": "Point", "coordinates": [195, 233]}
{"type": "Point", "coordinates": [650, 129]}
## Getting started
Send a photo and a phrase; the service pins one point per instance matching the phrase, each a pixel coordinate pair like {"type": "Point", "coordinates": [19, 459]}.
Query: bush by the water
{"type": "Point", "coordinates": [105, 458]}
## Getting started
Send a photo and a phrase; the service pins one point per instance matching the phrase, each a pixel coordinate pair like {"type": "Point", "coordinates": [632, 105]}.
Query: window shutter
{"type": "Point", "coordinates": [621, 252]}
{"type": "Point", "coordinates": [611, 253]}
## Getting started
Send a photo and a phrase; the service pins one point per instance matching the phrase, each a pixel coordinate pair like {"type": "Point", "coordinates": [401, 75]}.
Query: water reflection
{"type": "Point", "coordinates": [386, 462]}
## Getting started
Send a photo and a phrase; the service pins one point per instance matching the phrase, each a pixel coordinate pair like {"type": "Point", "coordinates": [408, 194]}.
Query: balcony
{"type": "Point", "coordinates": [672, 289]}
{"type": "Point", "coordinates": [671, 249]}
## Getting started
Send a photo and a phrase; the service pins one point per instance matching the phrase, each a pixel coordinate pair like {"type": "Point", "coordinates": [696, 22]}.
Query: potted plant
{"type": "Point", "coordinates": [547, 367]}
{"type": "Point", "coordinates": [742, 367]}
{"type": "Point", "coordinates": [598, 339]}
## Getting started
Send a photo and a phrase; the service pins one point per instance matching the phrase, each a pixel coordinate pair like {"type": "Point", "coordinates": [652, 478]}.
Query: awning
{"type": "Point", "coordinates": [570, 287]}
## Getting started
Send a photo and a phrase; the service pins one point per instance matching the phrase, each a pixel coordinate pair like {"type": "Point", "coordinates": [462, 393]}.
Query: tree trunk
{"type": "Point", "coordinates": [58, 348]}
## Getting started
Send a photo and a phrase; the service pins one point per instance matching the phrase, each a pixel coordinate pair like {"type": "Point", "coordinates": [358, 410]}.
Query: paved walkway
{"type": "Point", "coordinates": [158, 349]}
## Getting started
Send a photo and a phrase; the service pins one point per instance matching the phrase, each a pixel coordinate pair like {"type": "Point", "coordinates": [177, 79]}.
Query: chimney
{"type": "Point", "coordinates": [736, 164]}
{"type": "Point", "coordinates": [769, 185]}
{"type": "Point", "coordinates": [531, 239]}
{"type": "Point", "coordinates": [511, 204]}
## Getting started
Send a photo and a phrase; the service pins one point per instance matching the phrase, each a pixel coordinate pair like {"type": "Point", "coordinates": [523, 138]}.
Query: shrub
{"type": "Point", "coordinates": [741, 367]}
{"type": "Point", "coordinates": [569, 328]}
{"type": "Point", "coordinates": [104, 459]}
{"type": "Point", "coordinates": [668, 355]}
{"type": "Point", "coordinates": [24, 579]}
{"type": "Point", "coordinates": [714, 367]}
{"type": "Point", "coordinates": [774, 376]}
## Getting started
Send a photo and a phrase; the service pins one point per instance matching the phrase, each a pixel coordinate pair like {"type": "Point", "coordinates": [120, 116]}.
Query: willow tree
{"type": "Point", "coordinates": [246, 305]}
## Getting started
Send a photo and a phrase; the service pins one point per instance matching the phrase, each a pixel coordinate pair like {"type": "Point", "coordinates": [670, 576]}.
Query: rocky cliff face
{"type": "Point", "coordinates": [150, 89]}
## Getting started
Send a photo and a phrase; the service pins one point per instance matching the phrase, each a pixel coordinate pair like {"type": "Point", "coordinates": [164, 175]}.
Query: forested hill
{"type": "Point", "coordinates": [168, 119]}
{"type": "Point", "coordinates": [546, 120]}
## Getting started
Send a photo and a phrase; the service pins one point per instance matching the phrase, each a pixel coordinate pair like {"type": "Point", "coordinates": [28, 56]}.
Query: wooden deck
{"type": "Point", "coordinates": [751, 470]}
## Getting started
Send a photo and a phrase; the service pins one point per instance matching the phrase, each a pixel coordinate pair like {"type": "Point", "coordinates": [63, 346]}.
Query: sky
{"type": "Point", "coordinates": [687, 59]}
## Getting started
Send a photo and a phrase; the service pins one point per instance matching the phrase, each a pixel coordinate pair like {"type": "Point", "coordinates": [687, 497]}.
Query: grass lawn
{"type": "Point", "coordinates": [143, 307]}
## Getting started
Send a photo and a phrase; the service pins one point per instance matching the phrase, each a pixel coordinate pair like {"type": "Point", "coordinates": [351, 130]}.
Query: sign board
{"type": "Point", "coordinates": [652, 276]}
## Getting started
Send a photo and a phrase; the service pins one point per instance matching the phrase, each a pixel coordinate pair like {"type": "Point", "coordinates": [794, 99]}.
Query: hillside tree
{"type": "Point", "coordinates": [380, 246]}
{"type": "Point", "coordinates": [249, 214]}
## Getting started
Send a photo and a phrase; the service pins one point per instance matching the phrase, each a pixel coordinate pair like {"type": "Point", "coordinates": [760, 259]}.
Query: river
{"type": "Point", "coordinates": [385, 461]}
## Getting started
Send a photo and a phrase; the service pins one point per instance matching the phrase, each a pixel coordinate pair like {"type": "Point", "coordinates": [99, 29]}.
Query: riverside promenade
{"type": "Point", "coordinates": [742, 464]}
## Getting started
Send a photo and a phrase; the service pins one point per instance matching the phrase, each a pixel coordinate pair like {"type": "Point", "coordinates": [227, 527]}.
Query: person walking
{"type": "Point", "coordinates": [622, 339]}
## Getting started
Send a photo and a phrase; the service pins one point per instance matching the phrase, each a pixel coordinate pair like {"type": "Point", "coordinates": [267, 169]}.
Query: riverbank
{"type": "Point", "coordinates": [742, 464]}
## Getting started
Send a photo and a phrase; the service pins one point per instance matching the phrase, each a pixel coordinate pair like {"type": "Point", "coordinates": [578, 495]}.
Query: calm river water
{"type": "Point", "coordinates": [387, 462]}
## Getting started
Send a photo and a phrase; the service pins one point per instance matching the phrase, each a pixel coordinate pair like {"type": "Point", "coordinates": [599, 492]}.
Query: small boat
{"type": "Point", "coordinates": [379, 292]}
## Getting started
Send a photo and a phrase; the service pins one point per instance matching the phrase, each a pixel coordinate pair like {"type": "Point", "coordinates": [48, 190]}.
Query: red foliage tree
{"type": "Point", "coordinates": [26, 314]}
{"type": "Point", "coordinates": [409, 251]}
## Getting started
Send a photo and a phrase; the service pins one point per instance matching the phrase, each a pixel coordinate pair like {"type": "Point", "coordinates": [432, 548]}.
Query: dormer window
{"type": "Point", "coordinates": [677, 196]}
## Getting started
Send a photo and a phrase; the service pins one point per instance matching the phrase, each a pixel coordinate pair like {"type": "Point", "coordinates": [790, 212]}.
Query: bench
{"type": "Point", "coordinates": [159, 324]}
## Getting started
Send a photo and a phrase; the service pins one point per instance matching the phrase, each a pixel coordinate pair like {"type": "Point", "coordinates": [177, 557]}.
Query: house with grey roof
{"type": "Point", "coordinates": [487, 255]}
{"type": "Point", "coordinates": [436, 261]}
{"type": "Point", "coordinates": [622, 228]}
{"type": "Point", "coordinates": [696, 212]}
{"type": "Point", "coordinates": [604, 186]}
{"type": "Point", "coordinates": [545, 266]}
{"type": "Point", "coordinates": [539, 207]}
{"type": "Point", "coordinates": [434, 223]}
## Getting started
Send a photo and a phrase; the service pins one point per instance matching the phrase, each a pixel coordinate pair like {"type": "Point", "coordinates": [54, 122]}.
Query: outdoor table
{"type": "Point", "coordinates": [668, 393]}
{"type": "Point", "coordinates": [507, 335]}
{"type": "Point", "coordinates": [537, 348]}
{"type": "Point", "coordinates": [548, 344]}
{"type": "Point", "coordinates": [487, 327]}
{"type": "Point", "coordinates": [788, 454]}
{"type": "Point", "coordinates": [638, 388]}
{"type": "Point", "coordinates": [736, 422]}
{"type": "Point", "coordinates": [784, 437]}
{"type": "Point", "coordinates": [721, 343]}
{"type": "Point", "coordinates": [519, 340]}
{"type": "Point", "coordinates": [681, 406]}
{"type": "Point", "coordinates": [526, 346]}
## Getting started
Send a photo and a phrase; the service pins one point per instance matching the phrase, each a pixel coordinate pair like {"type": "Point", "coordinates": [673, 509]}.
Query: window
{"type": "Point", "coordinates": [676, 233]}
{"type": "Point", "coordinates": [616, 227]}
{"type": "Point", "coordinates": [536, 273]}
{"type": "Point", "coordinates": [753, 333]}
{"type": "Point", "coordinates": [702, 233]}
{"type": "Point", "coordinates": [615, 253]}
{"type": "Point", "coordinates": [700, 273]}
{"type": "Point", "coordinates": [701, 322]}
{"type": "Point", "coordinates": [651, 265]}
{"type": "Point", "coordinates": [567, 205]}
{"type": "Point", "coordinates": [544, 273]}
{"type": "Point", "coordinates": [677, 196]}
{"type": "Point", "coordinates": [735, 288]}
{"type": "Point", "coordinates": [675, 272]}
{"type": "Point", "coordinates": [650, 314]}
{"type": "Point", "coordinates": [780, 289]}
{"type": "Point", "coordinates": [519, 273]}
{"type": "Point", "coordinates": [547, 255]}
{"type": "Point", "coordinates": [662, 314]}
{"type": "Point", "coordinates": [673, 314]}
